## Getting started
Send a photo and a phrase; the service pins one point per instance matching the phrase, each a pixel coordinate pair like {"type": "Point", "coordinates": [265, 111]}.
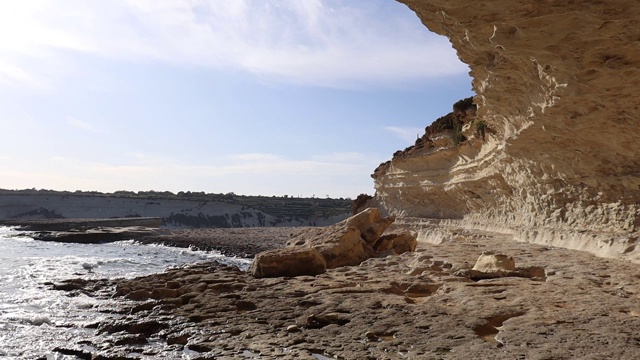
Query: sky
{"type": "Point", "coordinates": [269, 97]}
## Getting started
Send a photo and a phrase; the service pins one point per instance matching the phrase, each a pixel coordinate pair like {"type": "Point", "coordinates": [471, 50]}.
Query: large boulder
{"type": "Point", "coordinates": [340, 245]}
{"type": "Point", "coordinates": [292, 261]}
{"type": "Point", "coordinates": [346, 243]}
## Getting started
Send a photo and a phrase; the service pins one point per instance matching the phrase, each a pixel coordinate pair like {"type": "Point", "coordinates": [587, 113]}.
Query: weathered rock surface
{"type": "Point", "coordinates": [288, 262]}
{"type": "Point", "coordinates": [559, 161]}
{"type": "Point", "coordinates": [346, 243]}
{"type": "Point", "coordinates": [420, 305]}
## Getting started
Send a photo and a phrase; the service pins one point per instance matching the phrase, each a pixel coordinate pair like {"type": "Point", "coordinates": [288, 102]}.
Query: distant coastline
{"type": "Point", "coordinates": [181, 210]}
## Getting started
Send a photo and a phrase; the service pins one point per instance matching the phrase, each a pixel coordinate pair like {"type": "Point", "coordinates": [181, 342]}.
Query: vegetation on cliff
{"type": "Point", "coordinates": [449, 126]}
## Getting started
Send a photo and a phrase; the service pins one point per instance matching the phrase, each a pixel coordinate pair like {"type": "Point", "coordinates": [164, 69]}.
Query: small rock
{"type": "Point", "coordinates": [293, 328]}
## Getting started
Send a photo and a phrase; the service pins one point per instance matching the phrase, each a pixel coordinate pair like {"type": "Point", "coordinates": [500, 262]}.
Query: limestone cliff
{"type": "Point", "coordinates": [556, 85]}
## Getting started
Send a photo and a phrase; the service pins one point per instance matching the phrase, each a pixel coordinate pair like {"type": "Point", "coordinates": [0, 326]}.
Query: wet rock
{"type": "Point", "coordinates": [173, 285]}
{"type": "Point", "coordinates": [180, 339]}
{"type": "Point", "coordinates": [145, 327]}
{"type": "Point", "coordinates": [201, 347]}
{"type": "Point", "coordinates": [80, 354]}
{"type": "Point", "coordinates": [139, 295]}
{"type": "Point", "coordinates": [132, 340]}
{"type": "Point", "coordinates": [164, 293]}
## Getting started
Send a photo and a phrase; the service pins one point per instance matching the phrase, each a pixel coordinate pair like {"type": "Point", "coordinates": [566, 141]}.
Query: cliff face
{"type": "Point", "coordinates": [556, 84]}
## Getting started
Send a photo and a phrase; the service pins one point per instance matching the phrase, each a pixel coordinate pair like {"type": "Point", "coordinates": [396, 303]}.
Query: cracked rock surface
{"type": "Point", "coordinates": [429, 304]}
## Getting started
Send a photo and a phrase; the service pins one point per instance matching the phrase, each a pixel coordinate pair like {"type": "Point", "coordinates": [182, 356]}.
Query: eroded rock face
{"type": "Point", "coordinates": [556, 91]}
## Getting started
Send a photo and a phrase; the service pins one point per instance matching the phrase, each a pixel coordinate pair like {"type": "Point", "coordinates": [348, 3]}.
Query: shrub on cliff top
{"type": "Point", "coordinates": [464, 105]}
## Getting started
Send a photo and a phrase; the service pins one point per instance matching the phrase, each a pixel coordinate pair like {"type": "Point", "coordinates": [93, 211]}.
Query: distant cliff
{"type": "Point", "coordinates": [177, 210]}
{"type": "Point", "coordinates": [552, 152]}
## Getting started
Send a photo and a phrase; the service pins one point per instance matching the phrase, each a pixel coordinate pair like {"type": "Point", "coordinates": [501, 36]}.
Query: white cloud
{"type": "Point", "coordinates": [314, 42]}
{"type": "Point", "coordinates": [409, 134]}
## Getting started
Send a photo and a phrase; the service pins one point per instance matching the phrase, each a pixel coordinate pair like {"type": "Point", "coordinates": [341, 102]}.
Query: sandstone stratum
{"type": "Point", "coordinates": [551, 155]}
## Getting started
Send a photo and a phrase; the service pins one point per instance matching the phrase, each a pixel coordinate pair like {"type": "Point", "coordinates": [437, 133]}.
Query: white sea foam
{"type": "Point", "coordinates": [31, 313]}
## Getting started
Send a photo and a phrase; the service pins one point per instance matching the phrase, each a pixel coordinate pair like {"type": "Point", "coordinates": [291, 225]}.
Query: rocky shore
{"type": "Point", "coordinates": [242, 242]}
{"type": "Point", "coordinates": [544, 303]}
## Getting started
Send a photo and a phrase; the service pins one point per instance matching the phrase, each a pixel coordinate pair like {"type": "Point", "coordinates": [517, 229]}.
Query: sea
{"type": "Point", "coordinates": [35, 320]}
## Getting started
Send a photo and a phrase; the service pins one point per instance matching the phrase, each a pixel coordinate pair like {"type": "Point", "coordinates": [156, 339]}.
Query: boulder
{"type": "Point", "coordinates": [338, 245]}
{"type": "Point", "coordinates": [293, 261]}
{"type": "Point", "coordinates": [493, 263]}
{"type": "Point", "coordinates": [347, 243]}
{"type": "Point", "coordinates": [370, 224]}
{"type": "Point", "coordinates": [406, 242]}
{"type": "Point", "coordinates": [398, 242]}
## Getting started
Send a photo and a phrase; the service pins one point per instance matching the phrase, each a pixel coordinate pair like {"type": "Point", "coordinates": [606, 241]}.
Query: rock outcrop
{"type": "Point", "coordinates": [552, 154]}
{"type": "Point", "coordinates": [347, 243]}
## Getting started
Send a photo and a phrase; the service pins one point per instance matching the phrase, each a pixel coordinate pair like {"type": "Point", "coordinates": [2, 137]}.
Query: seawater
{"type": "Point", "coordinates": [34, 319]}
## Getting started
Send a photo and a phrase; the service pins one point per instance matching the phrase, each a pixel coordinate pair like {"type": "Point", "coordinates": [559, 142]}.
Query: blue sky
{"type": "Point", "coordinates": [296, 97]}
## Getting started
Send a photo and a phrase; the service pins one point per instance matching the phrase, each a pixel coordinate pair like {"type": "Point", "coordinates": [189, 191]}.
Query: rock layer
{"type": "Point", "coordinates": [560, 162]}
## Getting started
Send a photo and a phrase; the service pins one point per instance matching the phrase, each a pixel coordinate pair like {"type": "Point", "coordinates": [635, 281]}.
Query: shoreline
{"type": "Point", "coordinates": [243, 242]}
{"type": "Point", "coordinates": [240, 242]}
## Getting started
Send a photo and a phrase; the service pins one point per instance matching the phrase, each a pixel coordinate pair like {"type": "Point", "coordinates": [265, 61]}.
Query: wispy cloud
{"type": "Point", "coordinates": [10, 73]}
{"type": "Point", "coordinates": [326, 43]}
{"type": "Point", "coordinates": [408, 134]}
